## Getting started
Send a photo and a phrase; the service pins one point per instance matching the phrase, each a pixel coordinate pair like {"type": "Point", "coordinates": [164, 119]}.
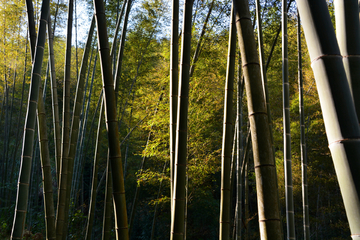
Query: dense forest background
{"type": "Point", "coordinates": [143, 120]}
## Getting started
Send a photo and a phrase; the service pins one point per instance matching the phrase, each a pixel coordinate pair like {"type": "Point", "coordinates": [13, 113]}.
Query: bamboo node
{"type": "Point", "coordinates": [344, 140]}
{"type": "Point", "coordinates": [264, 165]}
{"type": "Point", "coordinates": [325, 55]}
{"type": "Point", "coordinates": [250, 63]}
{"type": "Point", "coordinates": [242, 18]}
{"type": "Point", "coordinates": [270, 219]}
{"type": "Point", "coordinates": [255, 113]}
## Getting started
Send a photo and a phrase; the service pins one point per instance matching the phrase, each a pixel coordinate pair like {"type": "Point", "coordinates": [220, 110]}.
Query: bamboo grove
{"type": "Point", "coordinates": [192, 119]}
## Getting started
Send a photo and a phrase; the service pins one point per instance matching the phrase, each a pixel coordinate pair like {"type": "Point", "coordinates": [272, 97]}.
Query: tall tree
{"type": "Point", "coordinates": [341, 123]}
{"type": "Point", "coordinates": [265, 168]}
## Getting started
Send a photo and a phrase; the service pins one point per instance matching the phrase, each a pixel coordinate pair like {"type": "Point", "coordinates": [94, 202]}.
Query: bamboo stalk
{"type": "Point", "coordinates": [265, 168]}
{"type": "Point", "coordinates": [341, 123]}
{"type": "Point", "coordinates": [225, 197]}
{"type": "Point", "coordinates": [29, 132]}
{"type": "Point", "coordinates": [178, 212]}
{"type": "Point", "coordinates": [121, 223]}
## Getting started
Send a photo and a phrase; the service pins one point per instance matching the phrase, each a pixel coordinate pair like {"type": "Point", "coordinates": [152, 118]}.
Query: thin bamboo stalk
{"type": "Point", "coordinates": [174, 78]}
{"type": "Point", "coordinates": [225, 197]}
{"type": "Point", "coordinates": [290, 221]}
{"type": "Point", "coordinates": [198, 45]}
{"type": "Point", "coordinates": [54, 100]}
{"type": "Point", "coordinates": [304, 185]}
{"type": "Point", "coordinates": [46, 171]}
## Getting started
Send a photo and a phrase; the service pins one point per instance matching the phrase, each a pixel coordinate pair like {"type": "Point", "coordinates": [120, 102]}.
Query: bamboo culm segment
{"type": "Point", "coordinates": [348, 36]}
{"type": "Point", "coordinates": [29, 132]}
{"type": "Point", "coordinates": [225, 197]}
{"type": "Point", "coordinates": [290, 221]}
{"type": "Point", "coordinates": [304, 184]}
{"type": "Point", "coordinates": [341, 123]}
{"type": "Point", "coordinates": [121, 222]}
{"type": "Point", "coordinates": [265, 169]}
{"type": "Point", "coordinates": [174, 71]}
{"type": "Point", "coordinates": [178, 213]}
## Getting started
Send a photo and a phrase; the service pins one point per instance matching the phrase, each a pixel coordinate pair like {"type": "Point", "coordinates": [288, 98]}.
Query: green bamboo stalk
{"type": "Point", "coordinates": [121, 223]}
{"type": "Point", "coordinates": [275, 40]}
{"type": "Point", "coordinates": [178, 212]}
{"type": "Point", "coordinates": [198, 45]}
{"type": "Point", "coordinates": [265, 168]}
{"type": "Point", "coordinates": [107, 220]}
{"type": "Point", "coordinates": [30, 122]}
{"type": "Point", "coordinates": [54, 101]}
{"type": "Point", "coordinates": [348, 36]}
{"type": "Point", "coordinates": [31, 26]}
{"type": "Point", "coordinates": [137, 190]}
{"type": "Point", "coordinates": [46, 170]}
{"type": "Point", "coordinates": [174, 78]}
{"type": "Point", "coordinates": [239, 150]}
{"type": "Point", "coordinates": [90, 219]}
{"type": "Point", "coordinates": [121, 48]}
{"type": "Point", "coordinates": [61, 224]}
{"type": "Point", "coordinates": [341, 123]}
{"type": "Point", "coordinates": [17, 137]}
{"type": "Point", "coordinates": [304, 184]}
{"type": "Point", "coordinates": [225, 197]}
{"type": "Point", "coordinates": [79, 96]}
{"type": "Point", "coordinates": [290, 221]}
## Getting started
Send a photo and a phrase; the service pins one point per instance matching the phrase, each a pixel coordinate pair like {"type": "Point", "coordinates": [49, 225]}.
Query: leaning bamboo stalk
{"type": "Point", "coordinates": [79, 96]}
{"type": "Point", "coordinates": [46, 171]}
{"type": "Point", "coordinates": [265, 168]}
{"type": "Point", "coordinates": [290, 221]}
{"type": "Point", "coordinates": [121, 48]}
{"type": "Point", "coordinates": [30, 122]}
{"type": "Point", "coordinates": [348, 37]}
{"type": "Point", "coordinates": [225, 197]}
{"type": "Point", "coordinates": [198, 45]}
{"type": "Point", "coordinates": [178, 211]}
{"type": "Point", "coordinates": [305, 199]}
{"type": "Point", "coordinates": [121, 225]}
{"type": "Point", "coordinates": [341, 122]}
{"type": "Point", "coordinates": [54, 100]}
